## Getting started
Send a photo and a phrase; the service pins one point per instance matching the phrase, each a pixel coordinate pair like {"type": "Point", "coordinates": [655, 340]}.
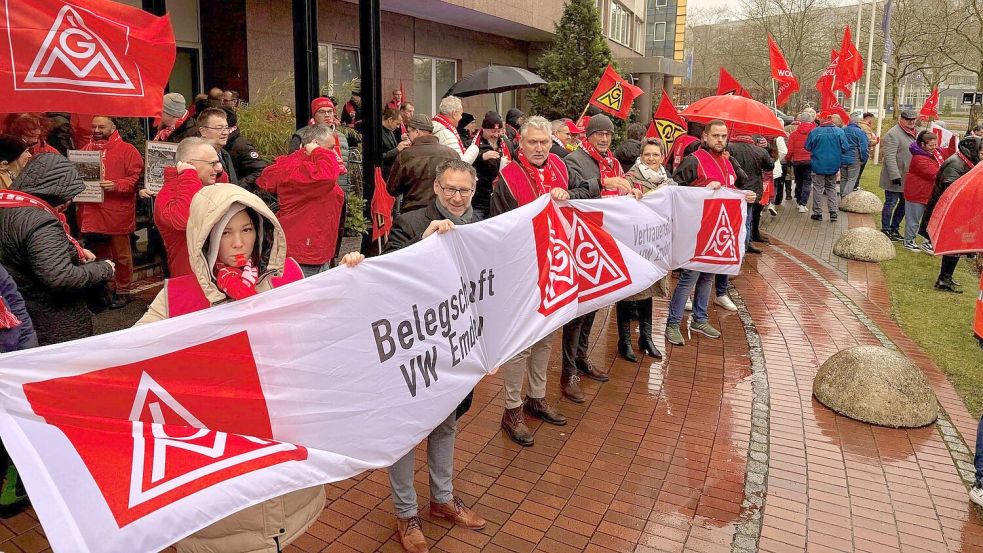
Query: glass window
{"type": "Point", "coordinates": [432, 78]}
{"type": "Point", "coordinates": [661, 3]}
{"type": "Point", "coordinates": [620, 24]}
{"type": "Point", "coordinates": [660, 32]}
{"type": "Point", "coordinates": [336, 65]}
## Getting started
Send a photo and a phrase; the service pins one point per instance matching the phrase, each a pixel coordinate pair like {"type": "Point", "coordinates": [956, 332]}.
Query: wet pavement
{"type": "Point", "coordinates": [720, 447]}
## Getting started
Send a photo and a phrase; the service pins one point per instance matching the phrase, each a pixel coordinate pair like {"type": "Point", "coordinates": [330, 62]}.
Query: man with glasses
{"type": "Point", "coordinates": [323, 113]}
{"type": "Point", "coordinates": [198, 165]}
{"type": "Point", "coordinates": [533, 172]}
{"type": "Point", "coordinates": [452, 189]}
{"type": "Point", "coordinates": [213, 126]}
{"type": "Point", "coordinates": [415, 169]}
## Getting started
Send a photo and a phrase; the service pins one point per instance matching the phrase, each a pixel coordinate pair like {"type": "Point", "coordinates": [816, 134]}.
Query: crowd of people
{"type": "Point", "coordinates": [229, 221]}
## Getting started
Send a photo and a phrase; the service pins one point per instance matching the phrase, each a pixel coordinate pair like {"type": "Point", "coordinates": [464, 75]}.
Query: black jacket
{"type": "Point", "coordinates": [627, 153]}
{"type": "Point", "coordinates": [53, 281]}
{"type": "Point", "coordinates": [949, 172]}
{"type": "Point", "coordinates": [188, 128]}
{"type": "Point", "coordinates": [559, 150]}
{"type": "Point", "coordinates": [487, 171]}
{"type": "Point", "coordinates": [246, 160]}
{"type": "Point", "coordinates": [389, 153]}
{"type": "Point", "coordinates": [754, 160]}
{"type": "Point", "coordinates": [585, 175]}
{"type": "Point", "coordinates": [687, 172]}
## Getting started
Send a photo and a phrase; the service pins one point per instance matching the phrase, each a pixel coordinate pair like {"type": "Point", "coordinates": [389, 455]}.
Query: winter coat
{"type": "Point", "coordinates": [342, 141]}
{"type": "Point", "coordinates": [797, 152]}
{"type": "Point", "coordinates": [448, 137]}
{"type": "Point", "coordinates": [559, 150]}
{"type": "Point", "coordinates": [34, 249]}
{"type": "Point", "coordinates": [897, 155]}
{"type": "Point", "coordinates": [487, 172]}
{"type": "Point", "coordinates": [585, 175]}
{"type": "Point", "coordinates": [282, 518]}
{"type": "Point", "coordinates": [117, 212]}
{"type": "Point", "coordinates": [872, 139]}
{"type": "Point", "coordinates": [246, 161]}
{"type": "Point", "coordinates": [171, 211]}
{"type": "Point", "coordinates": [415, 170]}
{"type": "Point", "coordinates": [859, 147]}
{"type": "Point", "coordinates": [753, 160]}
{"type": "Point", "coordinates": [829, 149]}
{"type": "Point", "coordinates": [627, 153]}
{"type": "Point", "coordinates": [920, 180]}
{"type": "Point", "coordinates": [21, 336]}
{"type": "Point", "coordinates": [311, 203]}
{"type": "Point", "coordinates": [389, 153]}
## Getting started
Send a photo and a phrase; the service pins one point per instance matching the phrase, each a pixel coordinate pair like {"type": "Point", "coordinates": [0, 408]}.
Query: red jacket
{"type": "Point", "coordinates": [920, 179]}
{"type": "Point", "coordinates": [311, 203]}
{"type": "Point", "coordinates": [797, 143]}
{"type": "Point", "coordinates": [171, 211]}
{"type": "Point", "coordinates": [117, 213]}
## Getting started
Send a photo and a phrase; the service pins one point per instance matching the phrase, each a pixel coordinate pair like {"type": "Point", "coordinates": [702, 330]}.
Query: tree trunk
{"type": "Point", "coordinates": [976, 112]}
{"type": "Point", "coordinates": [894, 97]}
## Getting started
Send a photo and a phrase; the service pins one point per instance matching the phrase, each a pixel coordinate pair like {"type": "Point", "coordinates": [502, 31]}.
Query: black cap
{"type": "Point", "coordinates": [492, 120]}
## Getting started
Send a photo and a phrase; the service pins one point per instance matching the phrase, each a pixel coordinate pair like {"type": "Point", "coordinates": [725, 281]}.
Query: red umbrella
{"type": "Point", "coordinates": [742, 115]}
{"type": "Point", "coordinates": [957, 221]}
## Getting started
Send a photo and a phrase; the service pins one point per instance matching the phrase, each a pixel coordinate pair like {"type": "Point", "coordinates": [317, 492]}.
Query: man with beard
{"type": "Point", "coordinates": [533, 172]}
{"type": "Point", "coordinates": [594, 171]}
{"type": "Point", "coordinates": [107, 226]}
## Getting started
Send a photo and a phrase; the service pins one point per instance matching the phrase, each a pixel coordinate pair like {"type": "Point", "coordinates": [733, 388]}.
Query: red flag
{"type": "Point", "coordinates": [849, 66]}
{"type": "Point", "coordinates": [930, 109]}
{"type": "Point", "coordinates": [727, 84]}
{"type": "Point", "coordinates": [826, 85]}
{"type": "Point", "coordinates": [614, 94]}
{"type": "Point", "coordinates": [93, 57]}
{"type": "Point", "coordinates": [787, 83]}
{"type": "Point", "coordinates": [666, 122]}
{"type": "Point", "coordinates": [382, 208]}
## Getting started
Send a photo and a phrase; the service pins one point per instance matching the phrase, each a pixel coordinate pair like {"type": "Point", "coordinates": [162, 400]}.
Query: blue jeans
{"type": "Point", "coordinates": [912, 218]}
{"type": "Point", "coordinates": [720, 283]}
{"type": "Point", "coordinates": [978, 460]}
{"type": "Point", "coordinates": [688, 279]}
{"type": "Point", "coordinates": [893, 202]}
{"type": "Point", "coordinates": [747, 223]}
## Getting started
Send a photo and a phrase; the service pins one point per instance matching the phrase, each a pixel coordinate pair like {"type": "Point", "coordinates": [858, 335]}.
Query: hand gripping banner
{"type": "Point", "coordinates": [132, 440]}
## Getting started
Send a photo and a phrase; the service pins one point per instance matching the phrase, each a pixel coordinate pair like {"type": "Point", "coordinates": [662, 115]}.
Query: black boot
{"type": "Point", "coordinates": [645, 343]}
{"type": "Point", "coordinates": [623, 312]}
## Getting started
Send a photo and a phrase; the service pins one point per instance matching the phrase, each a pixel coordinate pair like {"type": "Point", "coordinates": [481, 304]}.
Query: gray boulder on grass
{"type": "Point", "coordinates": [861, 201]}
{"type": "Point", "coordinates": [864, 244]}
{"type": "Point", "coordinates": [876, 385]}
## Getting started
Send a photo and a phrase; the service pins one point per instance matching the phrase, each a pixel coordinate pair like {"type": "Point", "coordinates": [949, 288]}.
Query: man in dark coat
{"type": "Point", "coordinates": [513, 121]}
{"type": "Point", "coordinates": [415, 169]}
{"type": "Point", "coordinates": [16, 328]}
{"type": "Point", "coordinates": [176, 122]}
{"type": "Point", "coordinates": [490, 152]}
{"type": "Point", "coordinates": [754, 161]}
{"type": "Point", "coordinates": [628, 151]}
{"type": "Point", "coordinates": [53, 273]}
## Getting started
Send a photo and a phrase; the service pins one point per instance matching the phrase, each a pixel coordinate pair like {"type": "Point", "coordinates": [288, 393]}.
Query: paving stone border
{"type": "Point", "coordinates": [954, 442]}
{"type": "Point", "coordinates": [756, 478]}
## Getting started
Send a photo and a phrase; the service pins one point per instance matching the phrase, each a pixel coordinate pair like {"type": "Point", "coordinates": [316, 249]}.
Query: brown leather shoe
{"type": "Point", "coordinates": [458, 513]}
{"type": "Point", "coordinates": [539, 408]}
{"type": "Point", "coordinates": [411, 535]}
{"type": "Point", "coordinates": [515, 426]}
{"type": "Point", "coordinates": [570, 386]}
{"type": "Point", "coordinates": [590, 371]}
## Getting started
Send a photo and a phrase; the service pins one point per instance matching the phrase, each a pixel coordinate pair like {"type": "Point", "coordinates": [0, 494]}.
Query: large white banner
{"type": "Point", "coordinates": [132, 440]}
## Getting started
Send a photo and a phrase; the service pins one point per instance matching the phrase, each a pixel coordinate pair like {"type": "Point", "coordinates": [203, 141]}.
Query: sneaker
{"type": "Point", "coordinates": [725, 302]}
{"type": "Point", "coordinates": [895, 235]}
{"type": "Point", "coordinates": [976, 495]}
{"type": "Point", "coordinates": [689, 304]}
{"type": "Point", "coordinates": [772, 210]}
{"type": "Point", "coordinates": [704, 328]}
{"type": "Point", "coordinates": [802, 209]}
{"type": "Point", "coordinates": [674, 336]}
{"type": "Point", "coordinates": [928, 248]}
{"type": "Point", "coordinates": [910, 246]}
{"type": "Point", "coordinates": [832, 217]}
{"type": "Point", "coordinates": [816, 217]}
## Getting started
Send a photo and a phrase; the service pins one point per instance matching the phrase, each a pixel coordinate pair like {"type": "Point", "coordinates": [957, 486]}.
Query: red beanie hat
{"type": "Point", "coordinates": [319, 103]}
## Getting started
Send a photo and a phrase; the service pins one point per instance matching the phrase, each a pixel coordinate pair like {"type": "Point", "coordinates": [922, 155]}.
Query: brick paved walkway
{"type": "Point", "coordinates": [720, 447]}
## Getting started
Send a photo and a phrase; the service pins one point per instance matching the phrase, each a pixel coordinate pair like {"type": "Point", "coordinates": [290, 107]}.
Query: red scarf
{"type": "Point", "coordinates": [503, 148]}
{"type": "Point", "coordinates": [114, 140]}
{"type": "Point", "coordinates": [16, 198]}
{"type": "Point", "coordinates": [7, 319]}
{"type": "Point", "coordinates": [966, 160]}
{"type": "Point", "coordinates": [543, 178]}
{"type": "Point", "coordinates": [443, 120]}
{"type": "Point", "coordinates": [237, 283]}
{"type": "Point", "coordinates": [402, 128]}
{"type": "Point", "coordinates": [166, 132]}
{"type": "Point", "coordinates": [937, 154]}
{"type": "Point", "coordinates": [609, 166]}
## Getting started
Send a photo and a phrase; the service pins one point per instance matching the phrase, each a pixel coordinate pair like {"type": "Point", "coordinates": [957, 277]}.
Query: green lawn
{"type": "Point", "coordinates": [941, 323]}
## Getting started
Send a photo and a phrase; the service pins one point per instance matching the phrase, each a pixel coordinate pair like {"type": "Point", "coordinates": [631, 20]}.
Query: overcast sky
{"type": "Point", "coordinates": [734, 5]}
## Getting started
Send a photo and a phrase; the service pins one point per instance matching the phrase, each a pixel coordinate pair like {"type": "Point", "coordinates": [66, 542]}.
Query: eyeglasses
{"type": "Point", "coordinates": [219, 129]}
{"type": "Point", "coordinates": [450, 192]}
{"type": "Point", "coordinates": [213, 163]}
{"type": "Point", "coordinates": [324, 112]}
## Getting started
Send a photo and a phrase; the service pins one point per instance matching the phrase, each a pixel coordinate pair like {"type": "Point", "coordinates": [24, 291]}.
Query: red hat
{"type": "Point", "coordinates": [573, 128]}
{"type": "Point", "coordinates": [319, 103]}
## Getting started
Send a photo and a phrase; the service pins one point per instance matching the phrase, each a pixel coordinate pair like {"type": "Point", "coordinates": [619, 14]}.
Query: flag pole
{"type": "Point", "coordinates": [870, 54]}
{"type": "Point", "coordinates": [856, 44]}
{"type": "Point", "coordinates": [583, 113]}
{"type": "Point", "coordinates": [774, 95]}
{"type": "Point", "coordinates": [880, 111]}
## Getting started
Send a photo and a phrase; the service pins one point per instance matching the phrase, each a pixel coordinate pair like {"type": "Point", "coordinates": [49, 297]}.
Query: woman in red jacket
{"type": "Point", "coordinates": [801, 158]}
{"type": "Point", "coordinates": [926, 158]}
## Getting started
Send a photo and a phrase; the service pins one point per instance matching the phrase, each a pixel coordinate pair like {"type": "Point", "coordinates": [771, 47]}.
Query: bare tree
{"type": "Point", "coordinates": [963, 20]}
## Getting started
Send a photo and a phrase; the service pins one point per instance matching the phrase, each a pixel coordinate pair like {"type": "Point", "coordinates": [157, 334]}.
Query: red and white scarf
{"type": "Point", "coordinates": [16, 198]}
{"type": "Point", "coordinates": [609, 166]}
{"type": "Point", "coordinates": [966, 160]}
{"type": "Point", "coordinates": [7, 319]}
{"type": "Point", "coordinates": [114, 140]}
{"type": "Point", "coordinates": [166, 132]}
{"type": "Point", "coordinates": [237, 283]}
{"type": "Point", "coordinates": [443, 120]}
{"type": "Point", "coordinates": [503, 148]}
{"type": "Point", "coordinates": [544, 178]}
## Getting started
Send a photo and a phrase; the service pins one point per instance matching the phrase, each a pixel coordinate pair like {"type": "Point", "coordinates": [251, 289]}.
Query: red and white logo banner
{"type": "Point", "coordinates": [133, 440]}
{"type": "Point", "coordinates": [91, 56]}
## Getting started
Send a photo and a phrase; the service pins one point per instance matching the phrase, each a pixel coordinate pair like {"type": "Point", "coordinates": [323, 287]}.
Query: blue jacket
{"type": "Point", "coordinates": [21, 336]}
{"type": "Point", "coordinates": [859, 145]}
{"type": "Point", "coordinates": [829, 149]}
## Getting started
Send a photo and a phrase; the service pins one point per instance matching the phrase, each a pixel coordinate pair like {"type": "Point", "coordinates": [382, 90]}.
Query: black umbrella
{"type": "Point", "coordinates": [494, 79]}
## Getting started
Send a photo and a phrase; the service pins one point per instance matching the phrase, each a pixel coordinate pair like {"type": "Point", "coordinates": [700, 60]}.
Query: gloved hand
{"type": "Point", "coordinates": [896, 182]}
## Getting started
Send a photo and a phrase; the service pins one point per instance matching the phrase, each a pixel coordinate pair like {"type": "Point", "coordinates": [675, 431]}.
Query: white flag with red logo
{"type": "Point", "coordinates": [83, 56]}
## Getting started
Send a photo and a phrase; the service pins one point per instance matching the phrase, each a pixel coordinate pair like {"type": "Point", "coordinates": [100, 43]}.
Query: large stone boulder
{"type": "Point", "coordinates": [876, 385]}
{"type": "Point", "coordinates": [861, 201]}
{"type": "Point", "coordinates": [864, 244]}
